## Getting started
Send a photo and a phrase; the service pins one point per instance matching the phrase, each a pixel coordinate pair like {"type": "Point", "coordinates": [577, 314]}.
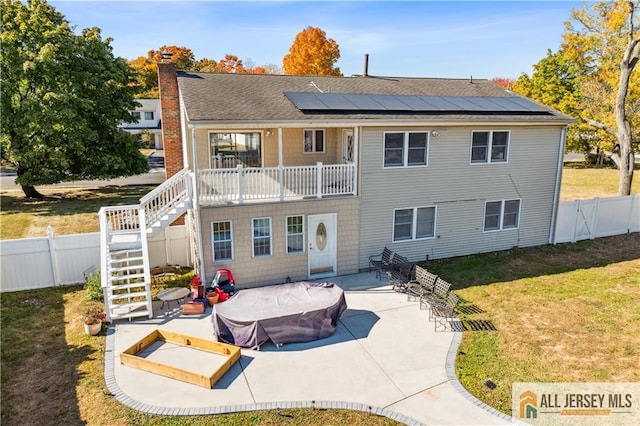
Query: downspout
{"type": "Point", "coordinates": [556, 190]}
{"type": "Point", "coordinates": [356, 155]}
{"type": "Point", "coordinates": [196, 204]}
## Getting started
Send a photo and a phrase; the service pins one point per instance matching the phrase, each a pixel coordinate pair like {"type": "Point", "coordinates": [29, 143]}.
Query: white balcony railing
{"type": "Point", "coordinates": [264, 183]}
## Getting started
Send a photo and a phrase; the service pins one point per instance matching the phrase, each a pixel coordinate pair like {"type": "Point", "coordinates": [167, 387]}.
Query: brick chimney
{"type": "Point", "coordinates": [170, 105]}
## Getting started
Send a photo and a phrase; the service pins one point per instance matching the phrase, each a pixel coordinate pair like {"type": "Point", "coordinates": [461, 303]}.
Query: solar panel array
{"type": "Point", "coordinates": [311, 101]}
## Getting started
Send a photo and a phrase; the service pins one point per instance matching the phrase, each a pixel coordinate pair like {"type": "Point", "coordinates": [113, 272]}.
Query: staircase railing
{"type": "Point", "coordinates": [166, 196]}
{"type": "Point", "coordinates": [134, 220]}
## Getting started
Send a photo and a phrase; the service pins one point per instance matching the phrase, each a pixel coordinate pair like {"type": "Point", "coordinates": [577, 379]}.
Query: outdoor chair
{"type": "Point", "coordinates": [399, 272]}
{"type": "Point", "coordinates": [438, 296]}
{"type": "Point", "coordinates": [380, 262]}
{"type": "Point", "coordinates": [444, 311]}
{"type": "Point", "coordinates": [422, 286]}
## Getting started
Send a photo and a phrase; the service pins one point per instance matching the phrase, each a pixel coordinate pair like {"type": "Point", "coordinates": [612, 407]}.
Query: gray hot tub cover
{"type": "Point", "coordinates": [285, 313]}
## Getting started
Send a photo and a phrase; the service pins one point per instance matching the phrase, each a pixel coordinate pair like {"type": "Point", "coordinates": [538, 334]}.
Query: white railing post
{"type": "Point", "coordinates": [319, 179]}
{"type": "Point", "coordinates": [142, 226]}
{"type": "Point", "coordinates": [281, 181]}
{"type": "Point", "coordinates": [240, 170]}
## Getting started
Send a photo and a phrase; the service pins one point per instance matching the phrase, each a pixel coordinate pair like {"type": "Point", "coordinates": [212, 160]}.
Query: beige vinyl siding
{"type": "Point", "coordinates": [459, 191]}
{"type": "Point", "coordinates": [253, 272]}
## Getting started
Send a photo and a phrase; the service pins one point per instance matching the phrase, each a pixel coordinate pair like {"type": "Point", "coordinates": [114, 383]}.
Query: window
{"type": "Point", "coordinates": [414, 223]}
{"type": "Point", "coordinates": [222, 241]}
{"type": "Point", "coordinates": [402, 149]}
{"type": "Point", "coordinates": [489, 142]}
{"type": "Point", "coordinates": [503, 214]}
{"type": "Point", "coordinates": [136, 115]}
{"type": "Point", "coordinates": [261, 236]}
{"type": "Point", "coordinates": [229, 150]}
{"type": "Point", "coordinates": [313, 141]}
{"type": "Point", "coordinates": [148, 115]}
{"type": "Point", "coordinates": [295, 234]}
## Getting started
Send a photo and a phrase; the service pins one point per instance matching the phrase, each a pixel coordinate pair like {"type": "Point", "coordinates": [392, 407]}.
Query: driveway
{"type": "Point", "coordinates": [155, 176]}
{"type": "Point", "coordinates": [384, 358]}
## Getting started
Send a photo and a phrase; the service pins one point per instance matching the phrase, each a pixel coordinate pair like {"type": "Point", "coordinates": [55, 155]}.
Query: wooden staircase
{"type": "Point", "coordinates": [124, 231]}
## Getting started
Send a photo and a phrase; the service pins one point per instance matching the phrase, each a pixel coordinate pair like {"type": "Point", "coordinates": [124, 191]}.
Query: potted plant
{"type": "Point", "coordinates": [94, 316]}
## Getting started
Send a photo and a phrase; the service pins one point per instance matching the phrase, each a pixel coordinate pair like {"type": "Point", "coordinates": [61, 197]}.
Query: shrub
{"type": "Point", "coordinates": [93, 287]}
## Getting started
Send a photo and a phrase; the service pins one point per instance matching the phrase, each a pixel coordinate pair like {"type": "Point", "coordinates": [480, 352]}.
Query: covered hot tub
{"type": "Point", "coordinates": [285, 313]}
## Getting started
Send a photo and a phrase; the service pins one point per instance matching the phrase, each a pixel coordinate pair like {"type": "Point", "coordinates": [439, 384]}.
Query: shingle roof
{"type": "Point", "coordinates": [261, 97]}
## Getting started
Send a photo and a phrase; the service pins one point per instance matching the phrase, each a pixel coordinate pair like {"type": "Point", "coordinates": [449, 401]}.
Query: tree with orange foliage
{"type": "Point", "coordinates": [147, 70]}
{"type": "Point", "coordinates": [505, 83]}
{"type": "Point", "coordinates": [312, 54]}
{"type": "Point", "coordinates": [181, 56]}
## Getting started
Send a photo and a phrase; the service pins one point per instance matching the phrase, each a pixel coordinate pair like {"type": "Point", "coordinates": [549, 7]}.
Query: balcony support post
{"type": "Point", "coordinates": [319, 179]}
{"type": "Point", "coordinates": [240, 170]}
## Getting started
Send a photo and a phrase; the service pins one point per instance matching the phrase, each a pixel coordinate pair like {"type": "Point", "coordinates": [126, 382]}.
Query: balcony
{"type": "Point", "coordinates": [246, 184]}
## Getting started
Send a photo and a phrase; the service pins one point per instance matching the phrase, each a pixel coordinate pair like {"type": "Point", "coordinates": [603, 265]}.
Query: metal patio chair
{"type": "Point", "coordinates": [380, 262]}
{"type": "Point", "coordinates": [444, 311]}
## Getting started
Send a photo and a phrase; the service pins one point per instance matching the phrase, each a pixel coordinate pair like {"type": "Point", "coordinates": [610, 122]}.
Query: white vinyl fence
{"type": "Point", "coordinates": [33, 263]}
{"type": "Point", "coordinates": [597, 217]}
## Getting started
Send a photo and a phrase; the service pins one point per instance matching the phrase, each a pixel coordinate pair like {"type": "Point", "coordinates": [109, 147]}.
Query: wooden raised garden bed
{"type": "Point", "coordinates": [231, 353]}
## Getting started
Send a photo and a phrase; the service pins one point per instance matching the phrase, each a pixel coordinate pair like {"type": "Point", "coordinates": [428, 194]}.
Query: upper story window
{"type": "Point", "coordinates": [489, 146]}
{"type": "Point", "coordinates": [414, 223]}
{"type": "Point", "coordinates": [313, 141]}
{"type": "Point", "coordinates": [406, 149]}
{"type": "Point", "coordinates": [136, 114]}
{"type": "Point", "coordinates": [148, 115]}
{"type": "Point", "coordinates": [295, 234]}
{"type": "Point", "coordinates": [504, 214]}
{"type": "Point", "coordinates": [221, 237]}
{"type": "Point", "coordinates": [261, 236]}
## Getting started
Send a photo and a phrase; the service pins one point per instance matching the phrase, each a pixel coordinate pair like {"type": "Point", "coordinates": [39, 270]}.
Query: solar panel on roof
{"type": "Point", "coordinates": [311, 101]}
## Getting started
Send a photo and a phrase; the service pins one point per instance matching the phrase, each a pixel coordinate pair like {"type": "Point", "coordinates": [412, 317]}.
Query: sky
{"type": "Point", "coordinates": [452, 39]}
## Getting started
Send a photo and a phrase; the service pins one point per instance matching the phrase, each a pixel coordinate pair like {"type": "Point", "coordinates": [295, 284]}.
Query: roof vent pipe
{"type": "Point", "coordinates": [366, 65]}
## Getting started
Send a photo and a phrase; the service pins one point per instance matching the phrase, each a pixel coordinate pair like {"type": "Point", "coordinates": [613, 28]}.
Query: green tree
{"type": "Point", "coordinates": [312, 53]}
{"type": "Point", "coordinates": [603, 43]}
{"type": "Point", "coordinates": [554, 82]}
{"type": "Point", "coordinates": [62, 96]}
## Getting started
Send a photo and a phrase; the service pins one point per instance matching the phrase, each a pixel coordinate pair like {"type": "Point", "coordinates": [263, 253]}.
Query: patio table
{"type": "Point", "coordinates": [168, 295]}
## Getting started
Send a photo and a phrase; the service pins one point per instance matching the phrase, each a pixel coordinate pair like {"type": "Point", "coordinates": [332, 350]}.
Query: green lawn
{"type": "Point", "coordinates": [564, 313]}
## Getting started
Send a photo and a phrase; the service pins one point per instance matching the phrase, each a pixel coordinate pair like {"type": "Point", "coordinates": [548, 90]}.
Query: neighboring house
{"type": "Point", "coordinates": [149, 118]}
{"type": "Point", "coordinates": [304, 178]}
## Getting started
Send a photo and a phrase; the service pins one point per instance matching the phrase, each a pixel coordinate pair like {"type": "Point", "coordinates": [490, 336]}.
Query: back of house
{"type": "Point", "coordinates": [306, 177]}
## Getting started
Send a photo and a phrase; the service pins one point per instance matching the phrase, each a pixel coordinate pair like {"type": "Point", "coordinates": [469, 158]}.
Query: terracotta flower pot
{"type": "Point", "coordinates": [212, 298]}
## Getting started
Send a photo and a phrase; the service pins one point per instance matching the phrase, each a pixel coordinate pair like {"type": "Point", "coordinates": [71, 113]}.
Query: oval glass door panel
{"type": "Point", "coordinates": [321, 236]}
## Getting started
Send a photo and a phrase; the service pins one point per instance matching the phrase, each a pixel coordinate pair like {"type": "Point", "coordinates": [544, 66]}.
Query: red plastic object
{"type": "Point", "coordinates": [197, 288]}
{"type": "Point", "coordinates": [223, 277]}
{"type": "Point", "coordinates": [222, 296]}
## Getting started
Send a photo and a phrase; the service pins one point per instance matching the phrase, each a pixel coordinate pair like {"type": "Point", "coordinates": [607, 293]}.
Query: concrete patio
{"type": "Point", "coordinates": [383, 358]}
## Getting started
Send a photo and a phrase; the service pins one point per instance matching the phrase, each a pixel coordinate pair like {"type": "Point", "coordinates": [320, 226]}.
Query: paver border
{"type": "Point", "coordinates": [451, 375]}
{"type": "Point", "coordinates": [118, 393]}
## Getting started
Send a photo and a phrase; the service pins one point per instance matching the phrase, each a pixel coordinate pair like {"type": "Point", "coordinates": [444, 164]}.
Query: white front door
{"type": "Point", "coordinates": [323, 245]}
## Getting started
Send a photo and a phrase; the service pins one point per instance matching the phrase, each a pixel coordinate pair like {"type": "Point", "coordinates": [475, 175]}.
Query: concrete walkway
{"type": "Point", "coordinates": [384, 358]}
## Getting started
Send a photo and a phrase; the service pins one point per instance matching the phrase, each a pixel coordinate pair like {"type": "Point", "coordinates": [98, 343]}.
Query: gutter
{"type": "Point", "coordinates": [252, 124]}
{"type": "Point", "coordinates": [556, 190]}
